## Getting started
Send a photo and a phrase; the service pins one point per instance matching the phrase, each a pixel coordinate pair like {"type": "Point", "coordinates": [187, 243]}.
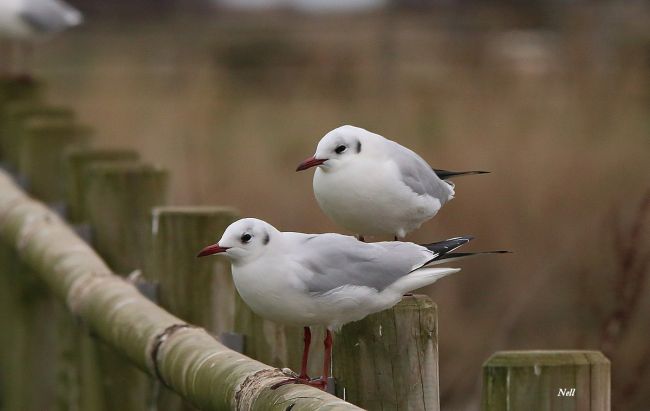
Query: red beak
{"type": "Point", "coordinates": [309, 163]}
{"type": "Point", "coordinates": [212, 249]}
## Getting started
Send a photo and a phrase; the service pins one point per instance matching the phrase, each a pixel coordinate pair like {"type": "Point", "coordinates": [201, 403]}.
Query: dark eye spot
{"type": "Point", "coordinates": [340, 149]}
{"type": "Point", "coordinates": [246, 237]}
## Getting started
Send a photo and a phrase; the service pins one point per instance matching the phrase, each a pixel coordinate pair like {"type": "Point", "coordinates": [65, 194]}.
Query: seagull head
{"type": "Point", "coordinates": [340, 147]}
{"type": "Point", "coordinates": [243, 240]}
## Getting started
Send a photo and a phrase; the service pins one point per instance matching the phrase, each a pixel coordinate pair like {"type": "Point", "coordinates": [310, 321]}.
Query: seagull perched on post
{"type": "Point", "coordinates": [325, 279]}
{"type": "Point", "coordinates": [374, 186]}
{"type": "Point", "coordinates": [29, 20]}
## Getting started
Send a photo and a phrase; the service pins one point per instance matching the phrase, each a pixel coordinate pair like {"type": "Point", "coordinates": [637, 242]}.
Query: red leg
{"type": "Point", "coordinates": [305, 354]}
{"type": "Point", "coordinates": [327, 358]}
{"type": "Point", "coordinates": [320, 382]}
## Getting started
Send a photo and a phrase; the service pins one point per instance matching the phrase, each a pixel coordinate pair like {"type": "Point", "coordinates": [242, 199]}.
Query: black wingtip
{"type": "Point", "coordinates": [447, 174]}
{"type": "Point", "coordinates": [456, 256]}
{"type": "Point", "coordinates": [445, 246]}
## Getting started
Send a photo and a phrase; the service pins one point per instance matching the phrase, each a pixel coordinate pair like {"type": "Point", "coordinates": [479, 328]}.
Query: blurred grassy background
{"type": "Point", "coordinates": [553, 98]}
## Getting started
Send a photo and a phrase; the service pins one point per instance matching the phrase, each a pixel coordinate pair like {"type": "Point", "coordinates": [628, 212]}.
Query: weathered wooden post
{"type": "Point", "coordinates": [36, 363]}
{"type": "Point", "coordinates": [81, 388]}
{"type": "Point", "coordinates": [118, 202]}
{"type": "Point", "coordinates": [119, 199]}
{"type": "Point", "coordinates": [77, 162]}
{"type": "Point", "coordinates": [29, 344]}
{"type": "Point", "coordinates": [15, 89]}
{"type": "Point", "coordinates": [546, 380]}
{"type": "Point", "coordinates": [389, 360]}
{"type": "Point", "coordinates": [12, 330]}
{"type": "Point", "coordinates": [41, 154]}
{"type": "Point", "coordinates": [197, 291]}
{"type": "Point", "coordinates": [14, 118]}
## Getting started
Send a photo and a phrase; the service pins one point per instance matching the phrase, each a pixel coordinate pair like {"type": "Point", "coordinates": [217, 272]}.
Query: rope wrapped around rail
{"type": "Point", "coordinates": [183, 357]}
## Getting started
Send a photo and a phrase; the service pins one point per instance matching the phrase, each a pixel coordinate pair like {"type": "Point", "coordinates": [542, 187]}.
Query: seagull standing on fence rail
{"type": "Point", "coordinates": [325, 279]}
{"type": "Point", "coordinates": [374, 186]}
{"type": "Point", "coordinates": [29, 20]}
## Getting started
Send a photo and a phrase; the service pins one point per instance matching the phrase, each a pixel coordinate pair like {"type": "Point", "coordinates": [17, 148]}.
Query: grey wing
{"type": "Point", "coordinates": [331, 261]}
{"type": "Point", "coordinates": [417, 174]}
{"type": "Point", "coordinates": [49, 16]}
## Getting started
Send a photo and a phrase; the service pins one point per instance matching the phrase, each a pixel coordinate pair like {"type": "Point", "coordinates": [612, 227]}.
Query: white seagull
{"type": "Point", "coordinates": [325, 279]}
{"type": "Point", "coordinates": [374, 186]}
{"type": "Point", "coordinates": [28, 20]}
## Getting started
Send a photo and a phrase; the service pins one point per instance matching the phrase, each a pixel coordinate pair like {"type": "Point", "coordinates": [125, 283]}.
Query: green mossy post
{"type": "Point", "coordinates": [546, 380]}
{"type": "Point", "coordinates": [41, 158]}
{"type": "Point", "coordinates": [86, 370]}
{"type": "Point", "coordinates": [119, 200]}
{"type": "Point", "coordinates": [77, 162]}
{"type": "Point", "coordinates": [40, 359]}
{"type": "Point", "coordinates": [15, 116]}
{"type": "Point", "coordinates": [21, 305]}
{"type": "Point", "coordinates": [29, 342]}
{"type": "Point", "coordinates": [199, 291]}
{"type": "Point", "coordinates": [16, 89]}
{"type": "Point", "coordinates": [119, 197]}
{"type": "Point", "coordinates": [389, 360]}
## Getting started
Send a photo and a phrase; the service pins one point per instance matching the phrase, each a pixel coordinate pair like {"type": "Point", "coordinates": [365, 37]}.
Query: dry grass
{"type": "Point", "coordinates": [560, 118]}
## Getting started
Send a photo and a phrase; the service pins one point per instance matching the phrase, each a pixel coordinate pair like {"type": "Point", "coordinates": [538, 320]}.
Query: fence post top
{"type": "Point", "coordinates": [27, 108]}
{"type": "Point", "coordinates": [201, 210]}
{"type": "Point", "coordinates": [525, 358]}
{"type": "Point", "coordinates": [126, 167]}
{"type": "Point", "coordinates": [94, 153]}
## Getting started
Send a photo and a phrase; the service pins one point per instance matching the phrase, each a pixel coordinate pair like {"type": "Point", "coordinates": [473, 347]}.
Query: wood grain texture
{"type": "Point", "coordinates": [41, 157]}
{"type": "Point", "coordinates": [199, 291]}
{"type": "Point", "coordinates": [76, 164]}
{"type": "Point", "coordinates": [15, 117]}
{"type": "Point", "coordinates": [389, 360]}
{"type": "Point", "coordinates": [527, 380]}
{"type": "Point", "coordinates": [119, 198]}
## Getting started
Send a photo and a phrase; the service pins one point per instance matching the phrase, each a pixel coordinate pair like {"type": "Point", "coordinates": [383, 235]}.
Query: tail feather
{"type": "Point", "coordinates": [446, 174]}
{"type": "Point", "coordinates": [421, 278]}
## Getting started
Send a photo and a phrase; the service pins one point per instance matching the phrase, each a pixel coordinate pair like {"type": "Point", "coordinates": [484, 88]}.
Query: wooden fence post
{"type": "Point", "coordinates": [29, 343]}
{"type": "Point", "coordinates": [77, 162]}
{"type": "Point", "coordinates": [389, 360]}
{"type": "Point", "coordinates": [118, 201]}
{"type": "Point", "coordinates": [12, 328]}
{"type": "Point", "coordinates": [41, 157]}
{"type": "Point", "coordinates": [12, 89]}
{"type": "Point", "coordinates": [86, 376]}
{"type": "Point", "coordinates": [197, 291]}
{"type": "Point", "coordinates": [37, 362]}
{"type": "Point", "coordinates": [546, 380]}
{"type": "Point", "coordinates": [14, 118]}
